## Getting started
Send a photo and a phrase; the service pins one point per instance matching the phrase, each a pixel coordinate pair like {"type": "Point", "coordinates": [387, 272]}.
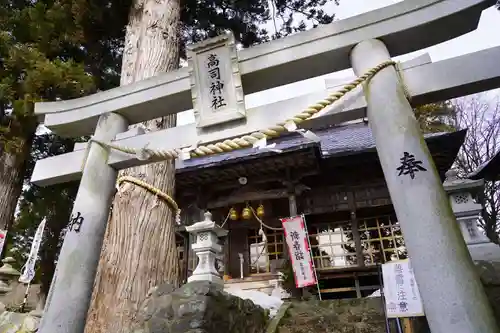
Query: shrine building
{"type": "Point", "coordinates": [336, 183]}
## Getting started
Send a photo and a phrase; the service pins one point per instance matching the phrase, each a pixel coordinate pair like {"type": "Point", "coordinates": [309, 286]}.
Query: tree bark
{"type": "Point", "coordinates": [12, 168]}
{"type": "Point", "coordinates": [10, 188]}
{"type": "Point", "coordinates": [139, 245]}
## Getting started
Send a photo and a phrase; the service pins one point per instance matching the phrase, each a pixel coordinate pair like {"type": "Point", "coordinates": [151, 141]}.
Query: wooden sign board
{"type": "Point", "coordinates": [215, 81]}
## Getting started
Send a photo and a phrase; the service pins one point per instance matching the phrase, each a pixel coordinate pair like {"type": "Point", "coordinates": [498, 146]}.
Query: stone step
{"type": "Point", "coordinates": [336, 316]}
{"type": "Point", "coordinates": [265, 286]}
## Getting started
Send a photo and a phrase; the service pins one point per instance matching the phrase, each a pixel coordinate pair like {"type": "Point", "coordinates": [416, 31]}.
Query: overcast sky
{"type": "Point", "coordinates": [485, 36]}
{"type": "Point", "coordinates": [482, 38]}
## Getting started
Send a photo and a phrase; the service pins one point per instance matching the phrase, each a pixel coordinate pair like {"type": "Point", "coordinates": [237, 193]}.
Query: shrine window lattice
{"type": "Point", "coordinates": [381, 240]}
{"type": "Point", "coordinates": [333, 244]}
{"type": "Point", "coordinates": [262, 254]}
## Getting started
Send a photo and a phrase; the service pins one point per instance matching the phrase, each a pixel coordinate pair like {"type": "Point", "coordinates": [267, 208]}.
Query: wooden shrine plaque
{"type": "Point", "coordinates": [215, 81]}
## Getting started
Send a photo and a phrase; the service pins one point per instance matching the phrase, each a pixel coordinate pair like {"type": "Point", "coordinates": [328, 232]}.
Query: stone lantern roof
{"type": "Point", "coordinates": [453, 183]}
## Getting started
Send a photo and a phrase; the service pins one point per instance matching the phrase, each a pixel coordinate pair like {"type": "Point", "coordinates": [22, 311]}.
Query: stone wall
{"type": "Point", "coordinates": [13, 322]}
{"type": "Point", "coordinates": [366, 315]}
{"type": "Point", "coordinates": [198, 307]}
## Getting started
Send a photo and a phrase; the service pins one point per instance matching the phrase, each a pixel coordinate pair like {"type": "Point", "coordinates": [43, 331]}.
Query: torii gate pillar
{"type": "Point", "coordinates": [71, 289]}
{"type": "Point", "coordinates": [453, 296]}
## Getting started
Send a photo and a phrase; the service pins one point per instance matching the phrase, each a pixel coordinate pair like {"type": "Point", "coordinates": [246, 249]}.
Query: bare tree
{"type": "Point", "coordinates": [480, 115]}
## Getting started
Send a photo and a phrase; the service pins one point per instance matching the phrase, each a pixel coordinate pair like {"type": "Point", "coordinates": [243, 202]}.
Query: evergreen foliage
{"type": "Point", "coordinates": [45, 56]}
{"type": "Point", "coordinates": [434, 118]}
{"type": "Point", "coordinates": [35, 66]}
{"type": "Point", "coordinates": [53, 203]}
{"type": "Point", "coordinates": [61, 49]}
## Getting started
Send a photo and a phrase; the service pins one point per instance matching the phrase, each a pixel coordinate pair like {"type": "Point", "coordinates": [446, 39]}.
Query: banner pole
{"type": "Point", "coordinates": [398, 325]}
{"type": "Point", "coordinates": [312, 257]}
{"type": "Point", "coordinates": [25, 300]}
{"type": "Point", "coordinates": [382, 296]}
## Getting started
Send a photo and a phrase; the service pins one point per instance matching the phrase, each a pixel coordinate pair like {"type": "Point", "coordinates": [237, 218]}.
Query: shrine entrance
{"type": "Point", "coordinates": [451, 290]}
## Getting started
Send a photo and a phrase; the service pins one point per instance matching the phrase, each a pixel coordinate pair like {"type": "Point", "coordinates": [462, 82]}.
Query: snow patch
{"type": "Point", "coordinates": [265, 301]}
{"type": "Point", "coordinates": [376, 293]}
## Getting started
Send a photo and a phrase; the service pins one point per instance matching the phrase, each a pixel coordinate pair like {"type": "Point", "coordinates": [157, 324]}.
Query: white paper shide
{"type": "Point", "coordinates": [300, 255]}
{"type": "Point", "coordinates": [402, 298]}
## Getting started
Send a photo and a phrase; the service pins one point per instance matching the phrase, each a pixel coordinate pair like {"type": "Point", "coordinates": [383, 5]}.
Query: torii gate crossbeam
{"type": "Point", "coordinates": [427, 82]}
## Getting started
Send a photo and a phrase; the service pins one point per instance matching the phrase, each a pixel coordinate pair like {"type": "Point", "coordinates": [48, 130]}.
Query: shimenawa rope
{"type": "Point", "coordinates": [243, 141]}
{"type": "Point", "coordinates": [156, 191]}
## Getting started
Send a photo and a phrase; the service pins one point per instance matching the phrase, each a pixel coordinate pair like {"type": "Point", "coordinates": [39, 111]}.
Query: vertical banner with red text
{"type": "Point", "coordinates": [3, 236]}
{"type": "Point", "coordinates": [298, 248]}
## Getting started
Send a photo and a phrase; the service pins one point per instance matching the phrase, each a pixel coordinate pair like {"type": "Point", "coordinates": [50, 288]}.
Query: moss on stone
{"type": "Point", "coordinates": [336, 316]}
{"type": "Point", "coordinates": [199, 307]}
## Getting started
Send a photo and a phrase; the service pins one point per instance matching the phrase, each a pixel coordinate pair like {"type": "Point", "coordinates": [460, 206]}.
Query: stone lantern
{"type": "Point", "coordinates": [467, 211]}
{"type": "Point", "coordinates": [207, 248]}
{"type": "Point", "coordinates": [8, 274]}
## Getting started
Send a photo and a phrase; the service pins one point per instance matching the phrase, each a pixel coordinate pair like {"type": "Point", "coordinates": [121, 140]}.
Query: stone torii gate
{"type": "Point", "coordinates": [451, 291]}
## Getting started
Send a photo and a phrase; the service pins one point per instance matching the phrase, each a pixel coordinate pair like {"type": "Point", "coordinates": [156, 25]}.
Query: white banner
{"type": "Point", "coordinates": [3, 236]}
{"type": "Point", "coordinates": [29, 267]}
{"type": "Point", "coordinates": [298, 248]}
{"type": "Point", "coordinates": [402, 298]}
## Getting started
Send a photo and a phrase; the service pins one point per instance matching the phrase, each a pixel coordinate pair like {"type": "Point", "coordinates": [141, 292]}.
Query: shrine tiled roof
{"type": "Point", "coordinates": [335, 141]}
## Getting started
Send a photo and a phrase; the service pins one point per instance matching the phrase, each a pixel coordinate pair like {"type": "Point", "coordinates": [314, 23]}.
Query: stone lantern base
{"type": "Point", "coordinates": [485, 252]}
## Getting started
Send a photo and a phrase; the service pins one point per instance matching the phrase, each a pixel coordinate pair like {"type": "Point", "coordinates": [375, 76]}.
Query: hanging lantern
{"type": "Point", "coordinates": [260, 211]}
{"type": "Point", "coordinates": [233, 214]}
{"type": "Point", "coordinates": [246, 213]}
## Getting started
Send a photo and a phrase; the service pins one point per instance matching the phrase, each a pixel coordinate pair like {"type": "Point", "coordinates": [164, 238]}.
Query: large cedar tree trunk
{"type": "Point", "coordinates": [12, 169]}
{"type": "Point", "coordinates": [139, 246]}
{"type": "Point", "coordinates": [10, 188]}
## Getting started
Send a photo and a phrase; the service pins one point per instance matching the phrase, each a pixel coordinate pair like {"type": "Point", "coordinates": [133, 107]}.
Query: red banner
{"type": "Point", "coordinates": [298, 249]}
{"type": "Point", "coordinates": [3, 235]}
